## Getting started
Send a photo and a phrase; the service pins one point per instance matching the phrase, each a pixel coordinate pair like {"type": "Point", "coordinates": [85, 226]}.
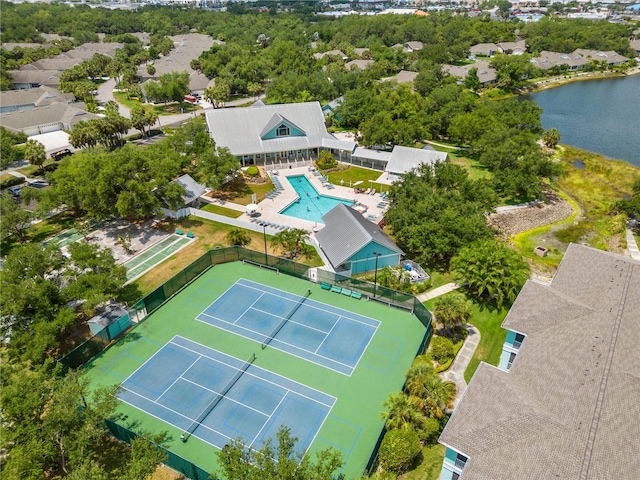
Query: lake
{"type": "Point", "coordinates": [601, 116]}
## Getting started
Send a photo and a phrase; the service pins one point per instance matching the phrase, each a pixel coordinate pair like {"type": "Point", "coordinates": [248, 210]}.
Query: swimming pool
{"type": "Point", "coordinates": [311, 205]}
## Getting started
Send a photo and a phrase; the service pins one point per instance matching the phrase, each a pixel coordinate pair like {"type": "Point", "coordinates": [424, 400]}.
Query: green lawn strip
{"type": "Point", "coordinates": [227, 212]}
{"type": "Point", "coordinates": [440, 278]}
{"type": "Point", "coordinates": [354, 423]}
{"type": "Point", "coordinates": [123, 99]}
{"type": "Point", "coordinates": [430, 466]}
{"type": "Point", "coordinates": [354, 174]}
{"type": "Point", "coordinates": [488, 321]}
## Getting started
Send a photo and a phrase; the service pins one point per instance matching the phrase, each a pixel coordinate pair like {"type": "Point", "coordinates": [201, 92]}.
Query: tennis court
{"type": "Point", "coordinates": [216, 397]}
{"type": "Point", "coordinates": [155, 369]}
{"type": "Point", "coordinates": [148, 259]}
{"type": "Point", "coordinates": [296, 324]}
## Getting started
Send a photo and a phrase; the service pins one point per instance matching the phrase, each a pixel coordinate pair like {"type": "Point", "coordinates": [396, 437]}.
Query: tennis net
{"type": "Point", "coordinates": [220, 395]}
{"type": "Point", "coordinates": [275, 331]}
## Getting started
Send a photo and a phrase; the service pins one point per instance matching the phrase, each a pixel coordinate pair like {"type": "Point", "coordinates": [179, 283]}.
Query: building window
{"type": "Point", "coordinates": [517, 343]}
{"type": "Point", "coordinates": [283, 131]}
{"type": "Point", "coordinates": [512, 357]}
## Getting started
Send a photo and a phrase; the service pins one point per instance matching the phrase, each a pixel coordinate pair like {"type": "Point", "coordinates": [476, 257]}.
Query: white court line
{"type": "Point", "coordinates": [282, 342]}
{"type": "Point", "coordinates": [268, 420]}
{"type": "Point", "coordinates": [149, 359]}
{"type": "Point", "coordinates": [224, 396]}
{"type": "Point", "coordinates": [311, 305]}
{"type": "Point", "coordinates": [293, 321]}
{"type": "Point", "coordinates": [262, 378]}
{"type": "Point", "coordinates": [179, 377]}
{"type": "Point", "coordinates": [327, 336]}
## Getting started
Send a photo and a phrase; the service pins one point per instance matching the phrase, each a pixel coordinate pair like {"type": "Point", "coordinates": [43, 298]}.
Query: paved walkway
{"type": "Point", "coordinates": [436, 292]}
{"type": "Point", "coordinates": [632, 246]}
{"type": "Point", "coordinates": [455, 373]}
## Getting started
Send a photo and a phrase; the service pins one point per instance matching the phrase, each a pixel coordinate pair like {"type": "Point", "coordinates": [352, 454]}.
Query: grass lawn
{"type": "Point", "coordinates": [492, 335]}
{"type": "Point", "coordinates": [162, 109]}
{"type": "Point", "coordinates": [475, 169]}
{"type": "Point", "coordinates": [227, 212]}
{"type": "Point", "coordinates": [43, 230]}
{"type": "Point", "coordinates": [209, 235]}
{"type": "Point", "coordinates": [440, 278]}
{"type": "Point", "coordinates": [122, 98]}
{"type": "Point", "coordinates": [260, 189]}
{"type": "Point", "coordinates": [353, 174]}
{"type": "Point", "coordinates": [431, 465]}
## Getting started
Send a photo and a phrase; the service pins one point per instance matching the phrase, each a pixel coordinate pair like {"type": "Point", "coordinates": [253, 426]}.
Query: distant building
{"type": "Point", "coordinates": [564, 401]}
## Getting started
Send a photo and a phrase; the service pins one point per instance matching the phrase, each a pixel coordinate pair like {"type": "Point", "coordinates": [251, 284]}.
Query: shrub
{"type": "Point", "coordinates": [252, 171]}
{"type": "Point", "coordinates": [399, 451]}
{"type": "Point", "coordinates": [441, 349]}
{"type": "Point", "coordinates": [430, 431]}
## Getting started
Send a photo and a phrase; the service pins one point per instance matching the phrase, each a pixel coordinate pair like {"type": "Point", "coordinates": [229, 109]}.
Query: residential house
{"type": "Point", "coordinates": [193, 190]}
{"type": "Point", "coordinates": [564, 401]}
{"type": "Point", "coordinates": [336, 53]}
{"type": "Point", "coordinates": [275, 133]}
{"type": "Point", "coordinates": [578, 59]}
{"type": "Point", "coordinates": [512, 48]}
{"type": "Point", "coordinates": [12, 100]}
{"type": "Point", "coordinates": [353, 244]}
{"type": "Point", "coordinates": [411, 47]}
{"type": "Point", "coordinates": [45, 119]}
{"type": "Point", "coordinates": [186, 48]}
{"type": "Point", "coordinates": [23, 79]}
{"type": "Point", "coordinates": [486, 74]}
{"type": "Point", "coordinates": [358, 64]}
{"type": "Point", "coordinates": [484, 49]}
{"type": "Point", "coordinates": [404, 76]}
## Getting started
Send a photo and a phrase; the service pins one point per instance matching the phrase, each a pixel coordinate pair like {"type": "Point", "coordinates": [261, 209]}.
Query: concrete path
{"type": "Point", "coordinates": [632, 246]}
{"type": "Point", "coordinates": [455, 373]}
{"type": "Point", "coordinates": [436, 292]}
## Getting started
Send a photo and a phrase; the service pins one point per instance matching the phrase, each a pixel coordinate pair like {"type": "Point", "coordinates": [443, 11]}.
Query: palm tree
{"type": "Point", "coordinates": [402, 413]}
{"type": "Point", "coordinates": [238, 236]}
{"type": "Point", "coordinates": [292, 241]}
{"type": "Point", "coordinates": [439, 395]}
{"type": "Point", "coordinates": [452, 310]}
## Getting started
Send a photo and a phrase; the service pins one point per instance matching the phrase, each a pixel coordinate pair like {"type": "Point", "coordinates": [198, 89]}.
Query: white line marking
{"type": "Point", "coordinates": [268, 419]}
{"type": "Point", "coordinates": [179, 377]}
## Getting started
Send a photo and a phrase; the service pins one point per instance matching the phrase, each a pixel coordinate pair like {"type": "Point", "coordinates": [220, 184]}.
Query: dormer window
{"type": "Point", "coordinates": [283, 131]}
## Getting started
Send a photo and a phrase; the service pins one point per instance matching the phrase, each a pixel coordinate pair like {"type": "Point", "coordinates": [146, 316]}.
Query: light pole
{"type": "Point", "coordinates": [375, 275]}
{"type": "Point", "coordinates": [264, 236]}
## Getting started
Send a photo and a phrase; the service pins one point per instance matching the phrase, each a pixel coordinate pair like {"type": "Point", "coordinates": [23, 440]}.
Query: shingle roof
{"type": "Point", "coordinates": [34, 97]}
{"type": "Point", "coordinates": [240, 129]}
{"type": "Point", "coordinates": [568, 407]}
{"type": "Point", "coordinates": [57, 112]}
{"type": "Point", "coordinates": [40, 77]}
{"type": "Point", "coordinates": [361, 64]}
{"type": "Point", "coordinates": [405, 159]}
{"type": "Point", "coordinates": [346, 232]}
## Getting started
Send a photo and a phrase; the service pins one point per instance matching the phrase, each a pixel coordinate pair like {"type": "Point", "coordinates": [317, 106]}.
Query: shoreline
{"type": "Point", "coordinates": [558, 81]}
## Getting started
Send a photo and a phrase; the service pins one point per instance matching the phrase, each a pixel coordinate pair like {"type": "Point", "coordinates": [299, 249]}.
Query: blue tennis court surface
{"type": "Point", "coordinates": [184, 378]}
{"type": "Point", "coordinates": [317, 332]}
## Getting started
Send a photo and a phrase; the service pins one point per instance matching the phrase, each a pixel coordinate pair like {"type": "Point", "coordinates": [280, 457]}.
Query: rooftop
{"type": "Point", "coordinates": [568, 407]}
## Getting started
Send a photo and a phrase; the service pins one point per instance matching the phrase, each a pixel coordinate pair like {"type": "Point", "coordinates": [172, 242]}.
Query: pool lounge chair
{"type": "Point", "coordinates": [373, 191]}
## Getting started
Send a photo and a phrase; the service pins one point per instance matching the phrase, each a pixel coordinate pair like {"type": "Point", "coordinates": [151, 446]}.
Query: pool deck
{"type": "Point", "coordinates": [269, 208]}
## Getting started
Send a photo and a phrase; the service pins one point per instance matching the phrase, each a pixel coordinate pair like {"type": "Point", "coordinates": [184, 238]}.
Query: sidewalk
{"type": "Point", "coordinates": [436, 292]}
{"type": "Point", "coordinates": [455, 373]}
{"type": "Point", "coordinates": [632, 246]}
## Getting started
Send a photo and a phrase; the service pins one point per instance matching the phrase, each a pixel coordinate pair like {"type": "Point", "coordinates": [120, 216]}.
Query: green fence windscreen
{"type": "Point", "coordinates": [179, 464]}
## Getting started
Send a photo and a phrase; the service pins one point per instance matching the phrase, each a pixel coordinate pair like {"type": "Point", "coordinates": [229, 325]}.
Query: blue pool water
{"type": "Point", "coordinates": [311, 205]}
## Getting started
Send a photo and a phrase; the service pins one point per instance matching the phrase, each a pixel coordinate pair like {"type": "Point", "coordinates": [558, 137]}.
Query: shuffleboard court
{"type": "Point", "coordinates": [216, 397]}
{"type": "Point", "coordinates": [315, 331]}
{"type": "Point", "coordinates": [148, 259]}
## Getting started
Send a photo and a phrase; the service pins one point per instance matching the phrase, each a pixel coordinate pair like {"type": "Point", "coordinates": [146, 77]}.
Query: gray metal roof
{"type": "Point", "coordinates": [405, 159]}
{"type": "Point", "coordinates": [240, 129]}
{"type": "Point", "coordinates": [336, 144]}
{"type": "Point", "coordinates": [346, 232]}
{"type": "Point", "coordinates": [193, 189]}
{"type": "Point", "coordinates": [370, 154]}
{"type": "Point", "coordinates": [569, 406]}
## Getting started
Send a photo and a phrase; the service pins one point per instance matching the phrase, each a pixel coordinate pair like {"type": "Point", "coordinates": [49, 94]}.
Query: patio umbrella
{"type": "Point", "coordinates": [252, 208]}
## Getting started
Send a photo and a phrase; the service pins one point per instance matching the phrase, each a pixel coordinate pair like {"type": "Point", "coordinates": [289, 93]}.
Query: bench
{"type": "Point", "coordinates": [356, 295]}
{"type": "Point", "coordinates": [179, 232]}
{"type": "Point", "coordinates": [336, 289]}
{"type": "Point", "coordinates": [346, 291]}
{"type": "Point", "coordinates": [325, 286]}
{"type": "Point", "coordinates": [190, 235]}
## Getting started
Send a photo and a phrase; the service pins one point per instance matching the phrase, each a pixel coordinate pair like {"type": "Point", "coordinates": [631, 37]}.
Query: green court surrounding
{"type": "Point", "coordinates": [148, 259]}
{"type": "Point", "coordinates": [65, 238]}
{"type": "Point", "coordinates": [353, 425]}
